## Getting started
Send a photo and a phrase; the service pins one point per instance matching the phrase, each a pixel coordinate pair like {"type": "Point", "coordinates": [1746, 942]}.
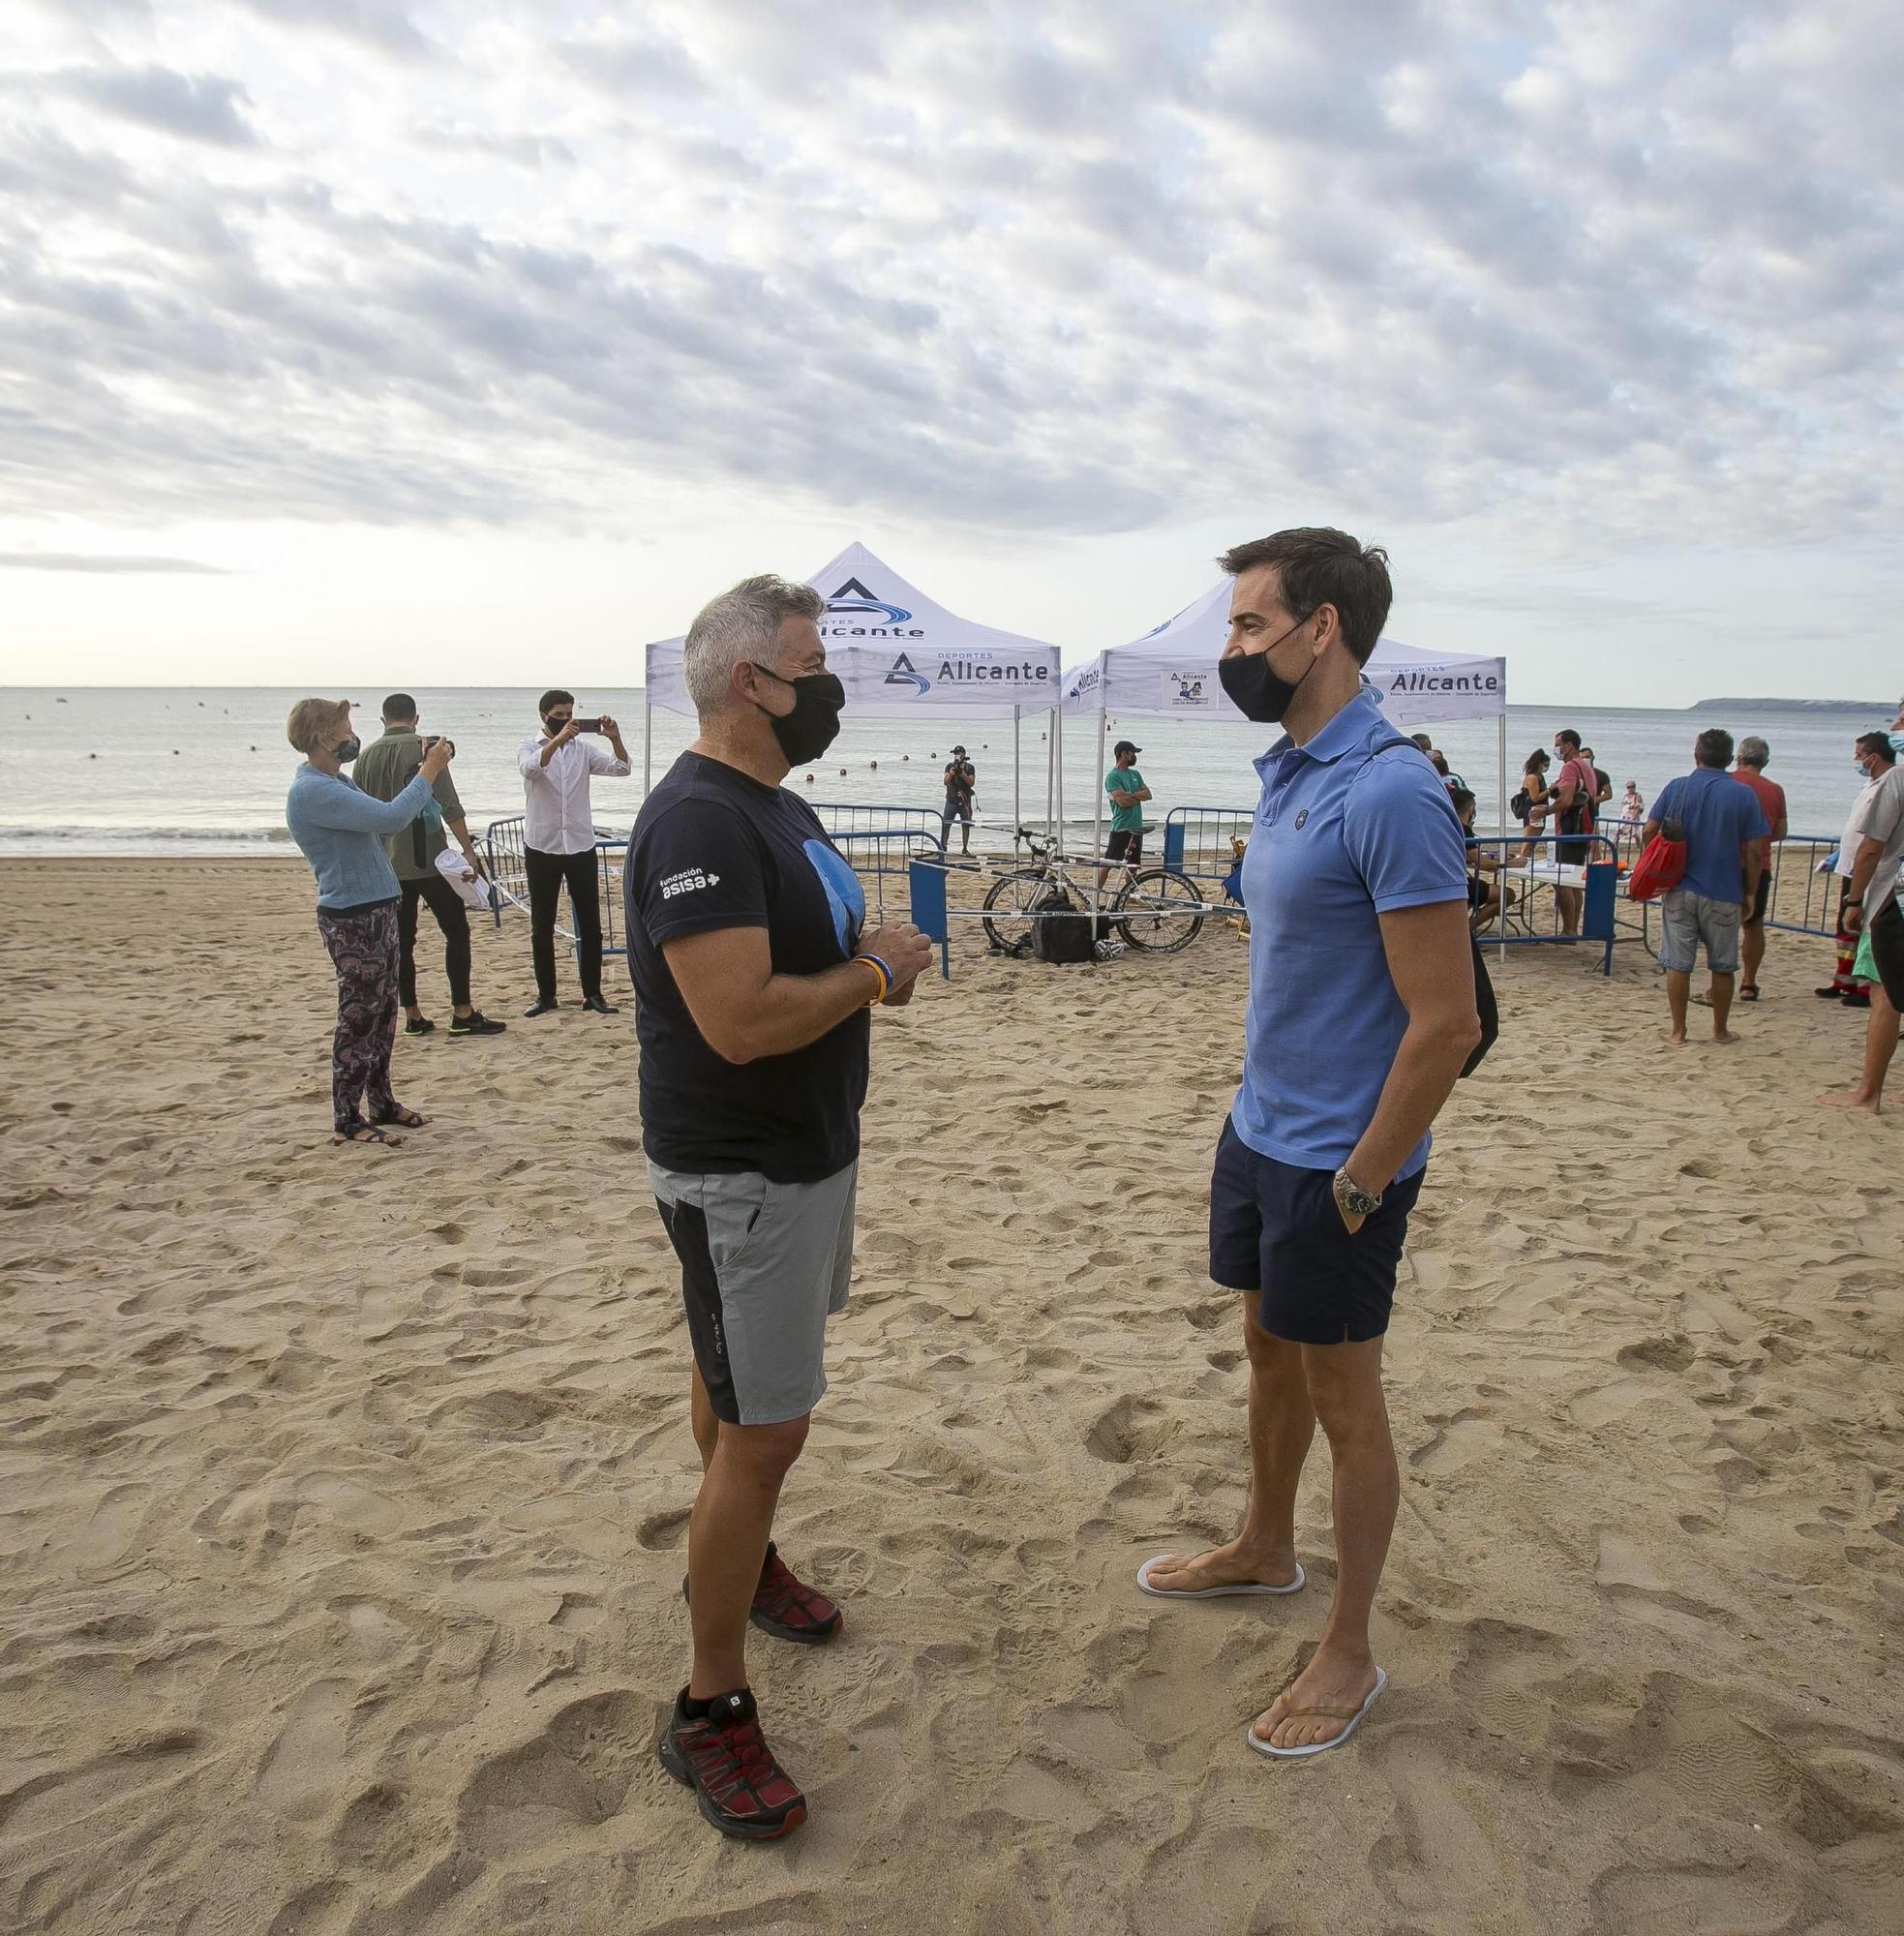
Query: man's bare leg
{"type": "Point", "coordinates": [1879, 1046]}
{"type": "Point", "coordinates": [1722, 986]}
{"type": "Point", "coordinates": [727, 1546]}
{"type": "Point", "coordinates": [1679, 989]}
{"type": "Point", "coordinates": [1345, 1386]}
{"type": "Point", "coordinates": [1282, 1425]}
{"type": "Point", "coordinates": [1569, 900]}
{"type": "Point", "coordinates": [1752, 951]}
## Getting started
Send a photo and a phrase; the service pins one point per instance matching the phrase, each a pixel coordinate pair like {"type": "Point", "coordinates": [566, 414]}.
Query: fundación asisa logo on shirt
{"type": "Point", "coordinates": [687, 881]}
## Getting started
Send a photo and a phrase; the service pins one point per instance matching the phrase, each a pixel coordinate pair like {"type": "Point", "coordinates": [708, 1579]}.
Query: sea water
{"type": "Point", "coordinates": [178, 769]}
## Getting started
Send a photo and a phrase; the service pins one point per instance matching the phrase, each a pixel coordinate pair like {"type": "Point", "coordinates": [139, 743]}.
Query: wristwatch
{"type": "Point", "coordinates": [1354, 1200]}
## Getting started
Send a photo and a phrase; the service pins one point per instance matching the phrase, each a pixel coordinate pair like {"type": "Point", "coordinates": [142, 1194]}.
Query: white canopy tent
{"type": "Point", "coordinates": [1172, 670]}
{"type": "Point", "coordinates": [897, 653]}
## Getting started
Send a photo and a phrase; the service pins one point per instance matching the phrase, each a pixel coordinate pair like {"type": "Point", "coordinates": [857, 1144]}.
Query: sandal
{"type": "Point", "coordinates": [1353, 1716]}
{"type": "Point", "coordinates": [1748, 991]}
{"type": "Point", "coordinates": [402, 1118]}
{"type": "Point", "coordinates": [365, 1133]}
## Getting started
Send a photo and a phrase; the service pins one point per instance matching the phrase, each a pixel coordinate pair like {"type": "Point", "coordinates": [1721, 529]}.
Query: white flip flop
{"type": "Point", "coordinates": [1242, 1587]}
{"type": "Point", "coordinates": [1319, 1748]}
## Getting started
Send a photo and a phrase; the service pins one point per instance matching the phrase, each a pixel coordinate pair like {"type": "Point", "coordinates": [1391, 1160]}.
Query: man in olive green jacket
{"type": "Point", "coordinates": [383, 769]}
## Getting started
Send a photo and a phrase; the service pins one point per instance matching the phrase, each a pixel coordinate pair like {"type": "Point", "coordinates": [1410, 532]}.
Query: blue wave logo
{"type": "Point", "coordinates": [905, 673]}
{"type": "Point", "coordinates": [853, 596]}
{"type": "Point", "coordinates": [846, 898]}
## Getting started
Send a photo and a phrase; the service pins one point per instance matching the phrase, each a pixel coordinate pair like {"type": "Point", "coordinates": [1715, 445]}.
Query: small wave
{"type": "Point", "coordinates": [122, 836]}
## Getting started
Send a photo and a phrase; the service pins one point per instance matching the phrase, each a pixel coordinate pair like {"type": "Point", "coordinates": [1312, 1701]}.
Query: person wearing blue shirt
{"type": "Point", "coordinates": [1361, 1016]}
{"type": "Point", "coordinates": [338, 829]}
{"type": "Point", "coordinates": [1723, 825]}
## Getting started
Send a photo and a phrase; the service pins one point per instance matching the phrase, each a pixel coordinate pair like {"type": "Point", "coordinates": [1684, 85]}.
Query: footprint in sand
{"type": "Point", "coordinates": [101, 1549]}
{"type": "Point", "coordinates": [1465, 1436]}
{"type": "Point", "coordinates": [1660, 1355]}
{"type": "Point", "coordinates": [301, 1771]}
{"type": "Point", "coordinates": [575, 1773]}
{"type": "Point", "coordinates": [349, 1504]}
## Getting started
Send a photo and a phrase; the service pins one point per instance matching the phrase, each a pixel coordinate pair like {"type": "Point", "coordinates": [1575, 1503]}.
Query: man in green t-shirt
{"type": "Point", "coordinates": [1127, 793]}
{"type": "Point", "coordinates": [383, 770]}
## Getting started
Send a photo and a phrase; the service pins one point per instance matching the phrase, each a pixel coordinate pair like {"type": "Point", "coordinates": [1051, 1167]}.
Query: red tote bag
{"type": "Point", "coordinates": [1658, 871]}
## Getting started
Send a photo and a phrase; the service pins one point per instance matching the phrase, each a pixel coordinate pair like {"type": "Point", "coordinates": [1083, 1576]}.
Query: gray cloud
{"type": "Point", "coordinates": [199, 108]}
{"type": "Point", "coordinates": [381, 24]}
{"type": "Point", "coordinates": [67, 560]}
{"type": "Point", "coordinates": [1575, 271]}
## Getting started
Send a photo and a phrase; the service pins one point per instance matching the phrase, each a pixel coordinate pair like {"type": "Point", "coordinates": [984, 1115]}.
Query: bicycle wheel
{"type": "Point", "coordinates": [1012, 900]}
{"type": "Point", "coordinates": [1158, 913]}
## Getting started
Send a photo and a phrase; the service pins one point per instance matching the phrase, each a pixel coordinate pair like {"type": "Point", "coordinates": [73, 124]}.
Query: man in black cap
{"type": "Point", "coordinates": [961, 777]}
{"type": "Point", "coordinates": [1128, 793]}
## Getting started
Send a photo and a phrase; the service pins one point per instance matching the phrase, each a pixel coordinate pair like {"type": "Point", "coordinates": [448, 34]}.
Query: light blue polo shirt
{"type": "Point", "coordinates": [1339, 838]}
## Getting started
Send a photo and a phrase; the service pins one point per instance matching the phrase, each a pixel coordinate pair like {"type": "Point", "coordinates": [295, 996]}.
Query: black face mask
{"type": "Point", "coordinates": [346, 750]}
{"type": "Point", "coordinates": [1256, 688]}
{"type": "Point", "coordinates": [813, 725]}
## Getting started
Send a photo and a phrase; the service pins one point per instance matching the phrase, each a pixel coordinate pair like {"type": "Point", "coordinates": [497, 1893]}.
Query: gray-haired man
{"type": "Point", "coordinates": [753, 974]}
{"type": "Point", "coordinates": [1749, 770]}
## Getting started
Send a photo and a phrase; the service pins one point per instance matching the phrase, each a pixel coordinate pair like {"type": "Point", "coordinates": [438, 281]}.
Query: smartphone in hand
{"type": "Point", "coordinates": [588, 725]}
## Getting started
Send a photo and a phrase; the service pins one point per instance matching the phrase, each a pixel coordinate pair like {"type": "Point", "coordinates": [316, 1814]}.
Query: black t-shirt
{"type": "Point", "coordinates": [713, 849]}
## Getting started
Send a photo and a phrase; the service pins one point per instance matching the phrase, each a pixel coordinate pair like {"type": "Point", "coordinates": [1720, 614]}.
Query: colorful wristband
{"type": "Point", "coordinates": [882, 972]}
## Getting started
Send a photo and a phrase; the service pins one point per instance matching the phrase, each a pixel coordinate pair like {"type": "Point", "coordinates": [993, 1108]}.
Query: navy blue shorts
{"type": "Point", "coordinates": [1274, 1230]}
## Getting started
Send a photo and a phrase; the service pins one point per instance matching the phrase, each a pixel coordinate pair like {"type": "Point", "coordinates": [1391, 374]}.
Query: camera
{"type": "Point", "coordinates": [438, 740]}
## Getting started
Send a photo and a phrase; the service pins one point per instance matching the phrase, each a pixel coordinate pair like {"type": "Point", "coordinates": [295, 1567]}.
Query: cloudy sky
{"type": "Point", "coordinates": [342, 340]}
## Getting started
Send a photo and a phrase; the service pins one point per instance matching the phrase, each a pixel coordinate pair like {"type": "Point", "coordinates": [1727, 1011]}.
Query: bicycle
{"type": "Point", "coordinates": [1157, 910]}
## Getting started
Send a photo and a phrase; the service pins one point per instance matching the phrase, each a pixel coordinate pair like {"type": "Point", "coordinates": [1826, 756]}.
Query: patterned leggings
{"type": "Point", "coordinates": [363, 949]}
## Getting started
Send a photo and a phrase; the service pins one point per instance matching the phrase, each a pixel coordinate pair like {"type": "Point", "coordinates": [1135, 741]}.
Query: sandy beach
{"type": "Point", "coordinates": [342, 1491]}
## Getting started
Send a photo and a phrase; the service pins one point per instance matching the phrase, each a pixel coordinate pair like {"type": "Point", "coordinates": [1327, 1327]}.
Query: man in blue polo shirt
{"type": "Point", "coordinates": [1361, 1016]}
{"type": "Point", "coordinates": [1723, 825]}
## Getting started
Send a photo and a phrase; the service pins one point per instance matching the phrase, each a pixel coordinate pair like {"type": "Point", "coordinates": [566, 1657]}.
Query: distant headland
{"type": "Point", "coordinates": [1886, 706]}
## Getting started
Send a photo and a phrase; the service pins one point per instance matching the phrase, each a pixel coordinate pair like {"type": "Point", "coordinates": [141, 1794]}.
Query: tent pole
{"type": "Point", "coordinates": [1502, 917]}
{"type": "Point", "coordinates": [1018, 811]}
{"type": "Point", "coordinates": [647, 738]}
{"type": "Point", "coordinates": [1050, 754]}
{"type": "Point", "coordinates": [1098, 835]}
{"type": "Point", "coordinates": [1058, 779]}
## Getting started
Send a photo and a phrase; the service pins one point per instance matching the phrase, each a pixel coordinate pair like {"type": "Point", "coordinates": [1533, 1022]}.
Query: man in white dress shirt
{"type": "Point", "coordinates": [559, 841]}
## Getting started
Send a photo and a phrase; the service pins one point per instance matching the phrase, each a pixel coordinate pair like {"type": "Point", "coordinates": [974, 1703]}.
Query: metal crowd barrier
{"type": "Point", "coordinates": [1805, 853]}
{"type": "Point", "coordinates": [1799, 857]}
{"type": "Point", "coordinates": [1596, 879]}
{"type": "Point", "coordinates": [502, 855]}
{"type": "Point", "coordinates": [1196, 841]}
{"type": "Point", "coordinates": [892, 836]}
{"type": "Point", "coordinates": [1196, 838]}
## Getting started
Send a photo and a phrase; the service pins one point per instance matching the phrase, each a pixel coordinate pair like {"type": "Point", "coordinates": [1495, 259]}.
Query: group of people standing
{"type": "Point", "coordinates": [379, 843]}
{"type": "Point", "coordinates": [756, 975]}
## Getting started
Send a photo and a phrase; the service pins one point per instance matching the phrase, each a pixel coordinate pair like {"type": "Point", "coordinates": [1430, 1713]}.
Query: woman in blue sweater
{"type": "Point", "coordinates": [338, 829]}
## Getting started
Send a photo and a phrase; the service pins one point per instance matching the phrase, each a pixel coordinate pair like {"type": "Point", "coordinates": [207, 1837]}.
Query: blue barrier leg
{"type": "Point", "coordinates": [929, 904]}
{"type": "Point", "coordinates": [1173, 843]}
{"type": "Point", "coordinates": [1597, 916]}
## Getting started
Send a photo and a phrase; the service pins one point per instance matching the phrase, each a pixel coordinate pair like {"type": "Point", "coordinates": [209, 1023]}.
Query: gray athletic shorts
{"type": "Point", "coordinates": [762, 1265]}
{"type": "Point", "coordinates": [1688, 918]}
